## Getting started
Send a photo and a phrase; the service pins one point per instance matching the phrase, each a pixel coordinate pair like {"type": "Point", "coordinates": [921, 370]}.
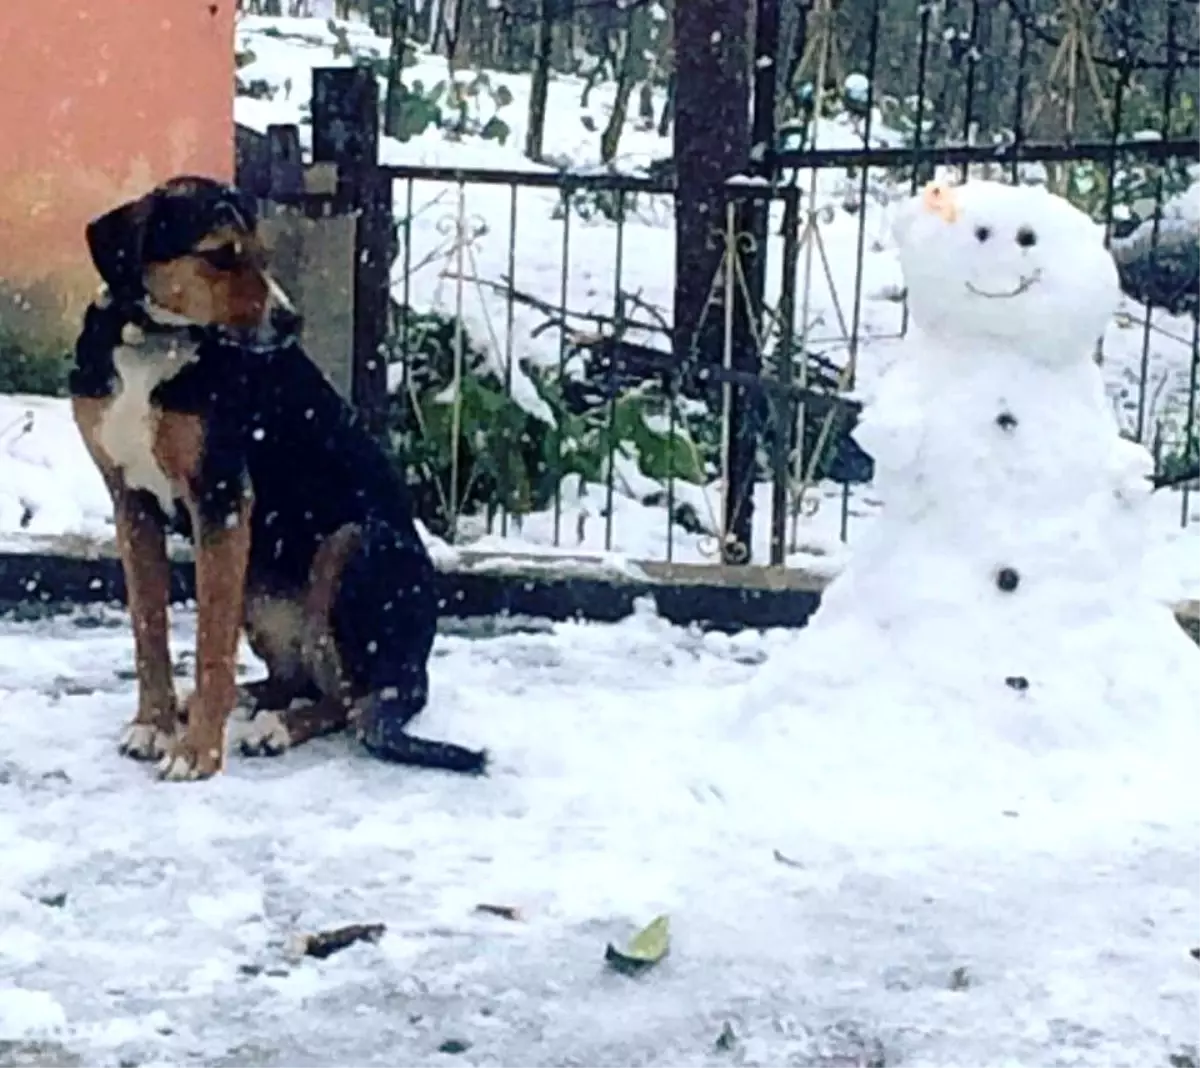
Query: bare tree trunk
{"type": "Point", "coordinates": [632, 66]}
{"type": "Point", "coordinates": [395, 68]}
{"type": "Point", "coordinates": [668, 112]}
{"type": "Point", "coordinates": [646, 105]}
{"type": "Point", "coordinates": [471, 37]}
{"type": "Point", "coordinates": [536, 131]}
{"type": "Point", "coordinates": [562, 52]}
{"type": "Point", "coordinates": [460, 35]}
{"type": "Point", "coordinates": [712, 143]}
{"type": "Point", "coordinates": [610, 139]}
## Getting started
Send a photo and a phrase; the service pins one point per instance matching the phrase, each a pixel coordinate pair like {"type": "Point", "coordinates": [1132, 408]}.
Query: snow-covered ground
{"type": "Point", "coordinates": [915, 893]}
{"type": "Point", "coordinates": [887, 884]}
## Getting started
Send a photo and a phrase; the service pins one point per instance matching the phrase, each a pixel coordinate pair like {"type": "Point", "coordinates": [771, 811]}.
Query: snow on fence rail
{"type": "Point", "coordinates": [49, 573]}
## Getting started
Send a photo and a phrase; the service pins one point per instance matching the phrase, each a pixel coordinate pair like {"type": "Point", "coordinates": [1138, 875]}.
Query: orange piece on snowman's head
{"type": "Point", "coordinates": [938, 198]}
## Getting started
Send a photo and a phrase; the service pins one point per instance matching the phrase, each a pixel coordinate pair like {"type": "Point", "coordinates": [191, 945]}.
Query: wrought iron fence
{"type": "Point", "coordinates": [536, 382]}
{"type": "Point", "coordinates": [533, 383]}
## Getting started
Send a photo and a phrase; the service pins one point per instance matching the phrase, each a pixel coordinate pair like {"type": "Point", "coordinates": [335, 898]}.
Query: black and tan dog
{"type": "Point", "coordinates": [205, 416]}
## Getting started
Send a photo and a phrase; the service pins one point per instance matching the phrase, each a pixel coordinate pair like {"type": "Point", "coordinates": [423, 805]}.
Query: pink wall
{"type": "Point", "coordinates": [99, 99]}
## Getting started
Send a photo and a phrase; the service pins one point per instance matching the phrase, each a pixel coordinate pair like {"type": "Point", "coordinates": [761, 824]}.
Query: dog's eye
{"type": "Point", "coordinates": [1026, 238]}
{"type": "Point", "coordinates": [222, 258]}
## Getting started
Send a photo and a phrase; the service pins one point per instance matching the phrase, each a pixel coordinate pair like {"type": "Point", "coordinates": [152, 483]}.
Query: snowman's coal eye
{"type": "Point", "coordinates": [1026, 238]}
{"type": "Point", "coordinates": [982, 233]}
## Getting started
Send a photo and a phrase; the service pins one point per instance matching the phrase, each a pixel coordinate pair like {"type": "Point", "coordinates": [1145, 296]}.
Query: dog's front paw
{"type": "Point", "coordinates": [186, 762]}
{"type": "Point", "coordinates": [266, 735]}
{"type": "Point", "coordinates": [145, 741]}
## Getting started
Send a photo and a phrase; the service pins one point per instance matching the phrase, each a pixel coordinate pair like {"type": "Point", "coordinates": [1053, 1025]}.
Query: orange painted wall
{"type": "Point", "coordinates": [99, 100]}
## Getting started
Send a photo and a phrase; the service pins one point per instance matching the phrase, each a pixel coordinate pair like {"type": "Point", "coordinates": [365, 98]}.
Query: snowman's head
{"type": "Point", "coordinates": [1014, 265]}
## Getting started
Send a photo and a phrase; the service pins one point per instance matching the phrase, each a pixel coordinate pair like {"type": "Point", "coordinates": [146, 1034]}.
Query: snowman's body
{"type": "Point", "coordinates": [985, 466]}
{"type": "Point", "coordinates": [1000, 592]}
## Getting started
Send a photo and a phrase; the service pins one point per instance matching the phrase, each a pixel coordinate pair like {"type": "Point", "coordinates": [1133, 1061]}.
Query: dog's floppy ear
{"type": "Point", "coordinates": [115, 241]}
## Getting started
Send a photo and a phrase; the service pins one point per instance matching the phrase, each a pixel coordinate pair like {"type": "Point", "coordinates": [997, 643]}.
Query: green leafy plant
{"type": "Point", "coordinates": [457, 108]}
{"type": "Point", "coordinates": [507, 457]}
{"type": "Point", "coordinates": [27, 367]}
{"type": "Point", "coordinates": [415, 109]}
{"type": "Point", "coordinates": [474, 106]}
{"type": "Point", "coordinates": [341, 40]}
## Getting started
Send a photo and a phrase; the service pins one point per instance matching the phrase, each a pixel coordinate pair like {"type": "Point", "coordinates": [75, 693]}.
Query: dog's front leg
{"type": "Point", "coordinates": [222, 552]}
{"type": "Point", "coordinates": [142, 543]}
{"type": "Point", "coordinates": [207, 477]}
{"type": "Point", "coordinates": [143, 546]}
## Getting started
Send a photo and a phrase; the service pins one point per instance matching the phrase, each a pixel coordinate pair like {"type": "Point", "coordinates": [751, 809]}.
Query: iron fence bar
{"type": "Point", "coordinates": [952, 155]}
{"type": "Point", "coordinates": [1168, 98]}
{"type": "Point", "coordinates": [864, 191]}
{"type": "Point", "coordinates": [729, 296]}
{"type": "Point", "coordinates": [782, 409]}
{"type": "Point", "coordinates": [509, 319]}
{"type": "Point", "coordinates": [1189, 424]}
{"type": "Point", "coordinates": [972, 66]}
{"type": "Point", "coordinates": [672, 391]}
{"type": "Point", "coordinates": [607, 182]}
{"type": "Point", "coordinates": [820, 159]}
{"type": "Point", "coordinates": [1019, 98]}
{"type": "Point", "coordinates": [918, 126]}
{"type": "Point", "coordinates": [406, 309]}
{"type": "Point", "coordinates": [457, 343]}
{"type": "Point", "coordinates": [618, 330]}
{"type": "Point", "coordinates": [1110, 194]}
{"type": "Point", "coordinates": [563, 278]}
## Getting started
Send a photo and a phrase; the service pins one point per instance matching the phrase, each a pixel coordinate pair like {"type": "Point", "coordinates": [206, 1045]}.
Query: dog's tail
{"type": "Point", "coordinates": [381, 724]}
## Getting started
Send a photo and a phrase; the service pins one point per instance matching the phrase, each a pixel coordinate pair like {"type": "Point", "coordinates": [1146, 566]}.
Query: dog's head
{"type": "Point", "coordinates": [190, 254]}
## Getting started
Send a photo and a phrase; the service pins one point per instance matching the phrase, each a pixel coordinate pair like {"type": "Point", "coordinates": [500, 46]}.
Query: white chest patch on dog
{"type": "Point", "coordinates": [131, 423]}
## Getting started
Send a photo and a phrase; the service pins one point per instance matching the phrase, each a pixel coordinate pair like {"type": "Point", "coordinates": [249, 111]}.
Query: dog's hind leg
{"type": "Point", "coordinates": [275, 630]}
{"type": "Point", "coordinates": [271, 733]}
{"type": "Point", "coordinates": [275, 692]}
{"type": "Point", "coordinates": [383, 622]}
{"type": "Point", "coordinates": [292, 636]}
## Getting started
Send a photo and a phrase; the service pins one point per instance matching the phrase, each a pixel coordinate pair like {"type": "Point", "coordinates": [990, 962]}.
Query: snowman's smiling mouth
{"type": "Point", "coordinates": [1027, 283]}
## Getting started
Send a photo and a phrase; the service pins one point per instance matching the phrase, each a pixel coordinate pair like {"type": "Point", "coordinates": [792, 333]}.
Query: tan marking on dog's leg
{"type": "Point", "coordinates": [222, 554]}
{"type": "Point", "coordinates": [321, 655]}
{"type": "Point", "coordinates": [142, 543]}
{"type": "Point", "coordinates": [273, 733]}
{"type": "Point", "coordinates": [325, 575]}
{"type": "Point", "coordinates": [143, 547]}
{"type": "Point", "coordinates": [275, 631]}
{"type": "Point", "coordinates": [221, 559]}
{"type": "Point", "coordinates": [179, 447]}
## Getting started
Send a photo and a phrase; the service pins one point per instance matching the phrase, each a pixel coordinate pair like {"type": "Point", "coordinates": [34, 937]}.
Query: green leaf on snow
{"type": "Point", "coordinates": [645, 949]}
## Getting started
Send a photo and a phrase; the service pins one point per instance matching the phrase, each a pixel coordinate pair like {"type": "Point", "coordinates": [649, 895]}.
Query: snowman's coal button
{"type": "Point", "coordinates": [1007, 579]}
{"type": "Point", "coordinates": [1017, 682]}
{"type": "Point", "coordinates": [1006, 420]}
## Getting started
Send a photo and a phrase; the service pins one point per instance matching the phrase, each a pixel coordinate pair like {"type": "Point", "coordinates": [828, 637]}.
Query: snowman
{"type": "Point", "coordinates": [997, 602]}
